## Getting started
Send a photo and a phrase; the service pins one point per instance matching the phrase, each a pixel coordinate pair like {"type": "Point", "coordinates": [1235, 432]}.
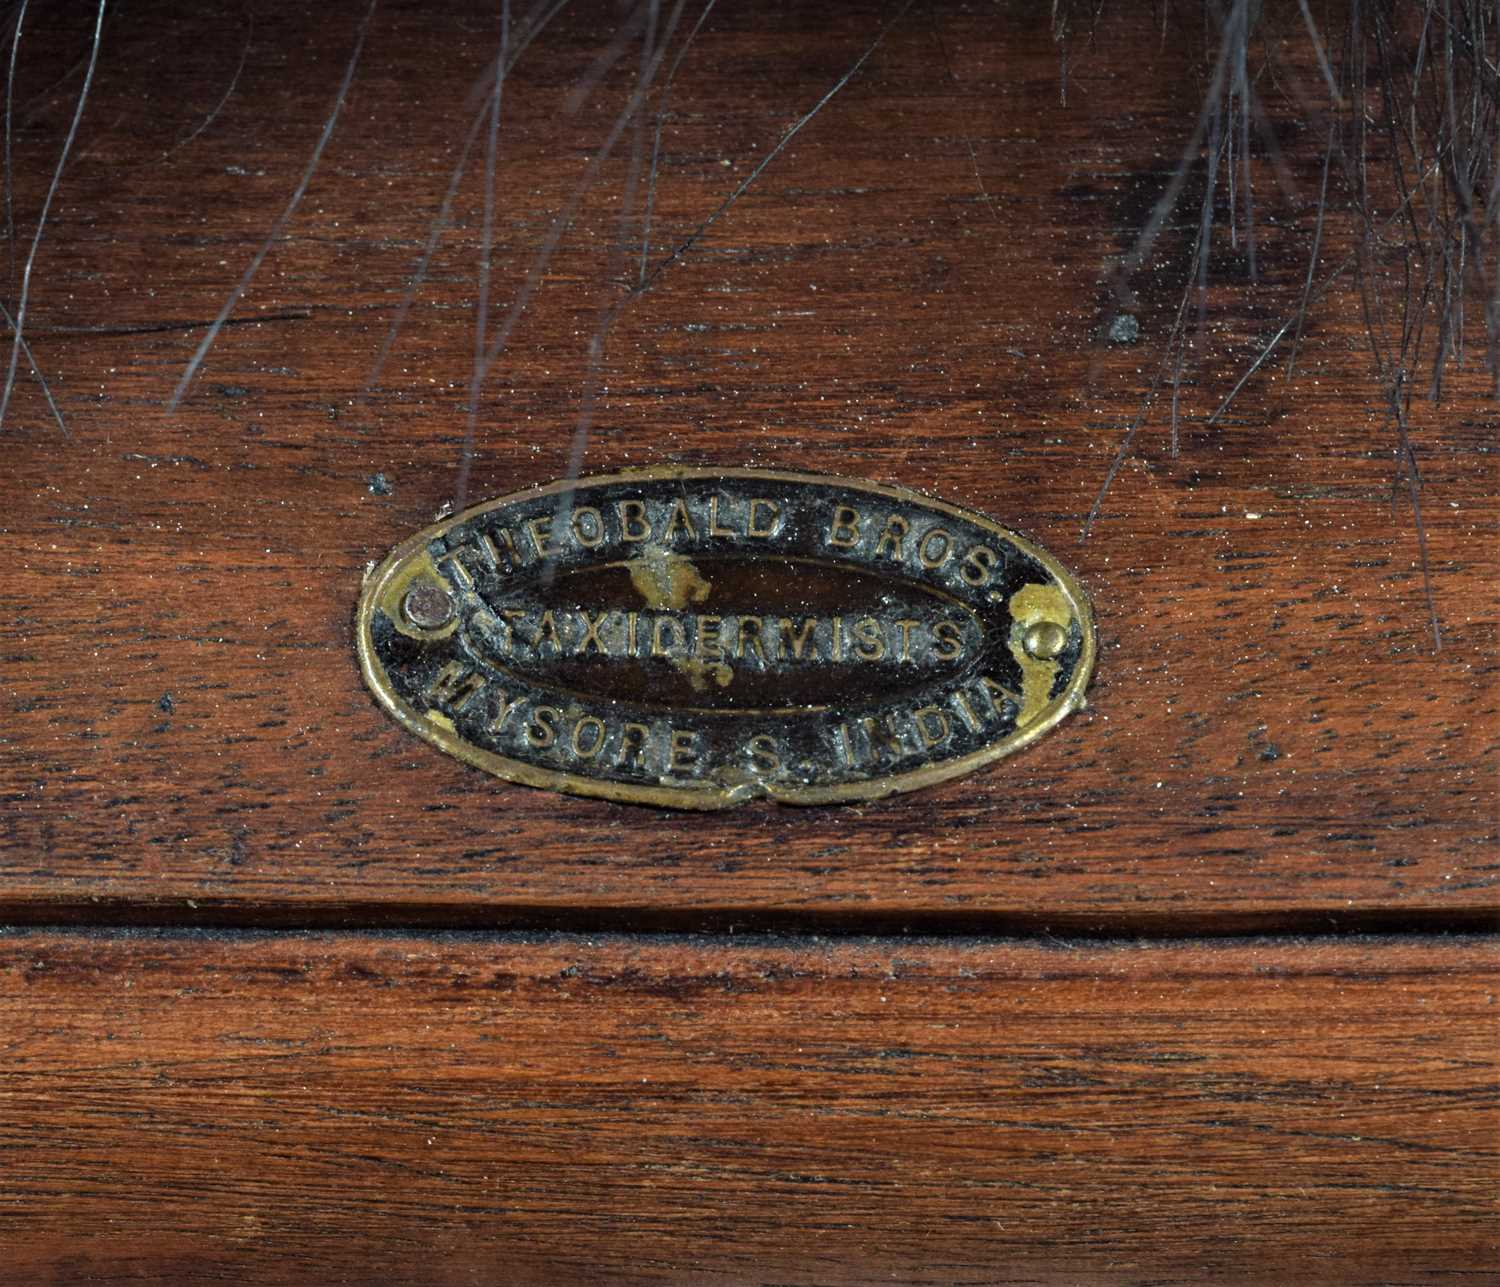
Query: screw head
{"type": "Point", "coordinates": [428, 607]}
{"type": "Point", "coordinates": [1044, 640]}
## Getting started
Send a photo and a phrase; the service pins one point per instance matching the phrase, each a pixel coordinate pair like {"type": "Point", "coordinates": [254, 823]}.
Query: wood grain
{"type": "Point", "coordinates": [915, 290]}
{"type": "Point", "coordinates": [918, 288]}
{"type": "Point", "coordinates": [187, 1107]}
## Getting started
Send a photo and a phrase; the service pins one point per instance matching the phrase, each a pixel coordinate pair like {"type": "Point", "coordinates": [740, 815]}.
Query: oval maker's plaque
{"type": "Point", "coordinates": [698, 638]}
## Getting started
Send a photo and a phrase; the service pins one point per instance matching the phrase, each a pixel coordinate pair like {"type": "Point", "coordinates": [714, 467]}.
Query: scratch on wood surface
{"type": "Point", "coordinates": [530, 29]}
{"type": "Point", "coordinates": [486, 249]}
{"type": "Point", "coordinates": [36, 369]}
{"type": "Point", "coordinates": [792, 131]}
{"type": "Point", "coordinates": [661, 117]}
{"type": "Point", "coordinates": [282, 219]}
{"type": "Point", "coordinates": [19, 329]}
{"type": "Point", "coordinates": [562, 220]}
{"type": "Point", "coordinates": [10, 86]}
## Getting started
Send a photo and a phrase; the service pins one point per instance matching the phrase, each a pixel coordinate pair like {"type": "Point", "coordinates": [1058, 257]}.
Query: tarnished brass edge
{"type": "Point", "coordinates": [711, 796]}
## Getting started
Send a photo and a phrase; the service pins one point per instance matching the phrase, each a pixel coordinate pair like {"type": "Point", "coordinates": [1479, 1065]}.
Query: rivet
{"type": "Point", "coordinates": [428, 607]}
{"type": "Point", "coordinates": [1044, 640]}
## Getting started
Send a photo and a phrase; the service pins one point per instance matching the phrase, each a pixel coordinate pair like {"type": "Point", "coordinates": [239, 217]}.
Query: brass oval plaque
{"type": "Point", "coordinates": [698, 638]}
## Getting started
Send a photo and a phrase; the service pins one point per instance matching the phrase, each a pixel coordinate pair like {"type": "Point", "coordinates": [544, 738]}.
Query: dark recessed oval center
{"type": "Point", "coordinates": [728, 634]}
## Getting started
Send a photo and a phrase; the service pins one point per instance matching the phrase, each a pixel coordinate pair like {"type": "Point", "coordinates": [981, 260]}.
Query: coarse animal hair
{"type": "Point", "coordinates": [1406, 97]}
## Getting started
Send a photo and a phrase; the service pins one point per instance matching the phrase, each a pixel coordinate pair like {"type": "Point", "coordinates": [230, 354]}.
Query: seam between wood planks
{"type": "Point", "coordinates": [111, 914]}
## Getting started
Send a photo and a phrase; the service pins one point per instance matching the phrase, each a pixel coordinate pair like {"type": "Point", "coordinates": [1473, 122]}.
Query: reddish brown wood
{"type": "Point", "coordinates": [323, 1108]}
{"type": "Point", "coordinates": [1272, 739]}
{"type": "Point", "coordinates": [917, 290]}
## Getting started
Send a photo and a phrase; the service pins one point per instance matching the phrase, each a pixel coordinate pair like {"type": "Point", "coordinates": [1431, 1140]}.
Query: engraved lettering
{"type": "Point", "coordinates": [540, 531]}
{"type": "Point", "coordinates": [497, 558]}
{"type": "Point", "coordinates": [683, 754]}
{"type": "Point", "coordinates": [770, 641]}
{"type": "Point", "coordinates": [501, 710]}
{"type": "Point", "coordinates": [588, 737]}
{"type": "Point", "coordinates": [978, 565]}
{"type": "Point", "coordinates": [485, 544]}
{"type": "Point", "coordinates": [800, 639]}
{"type": "Point", "coordinates": [895, 532]}
{"type": "Point", "coordinates": [455, 568]}
{"type": "Point", "coordinates": [965, 710]}
{"type": "Point", "coordinates": [767, 526]}
{"type": "Point", "coordinates": [541, 732]}
{"type": "Point", "coordinates": [933, 725]}
{"type": "Point", "coordinates": [845, 530]}
{"type": "Point", "coordinates": [546, 632]}
{"type": "Point", "coordinates": [713, 520]}
{"type": "Point", "coordinates": [708, 643]}
{"type": "Point", "coordinates": [905, 626]}
{"type": "Point", "coordinates": [634, 525]}
{"type": "Point", "coordinates": [889, 739]}
{"type": "Point", "coordinates": [680, 519]}
{"type": "Point", "coordinates": [591, 632]}
{"type": "Point", "coordinates": [588, 526]}
{"type": "Point", "coordinates": [765, 753]}
{"type": "Point", "coordinates": [660, 628]}
{"type": "Point", "coordinates": [749, 637]}
{"type": "Point", "coordinates": [511, 615]}
{"type": "Point", "coordinates": [949, 641]}
{"type": "Point", "coordinates": [454, 686]}
{"type": "Point", "coordinates": [632, 745]}
{"type": "Point", "coordinates": [934, 557]}
{"type": "Point", "coordinates": [998, 694]}
{"type": "Point", "coordinates": [871, 645]}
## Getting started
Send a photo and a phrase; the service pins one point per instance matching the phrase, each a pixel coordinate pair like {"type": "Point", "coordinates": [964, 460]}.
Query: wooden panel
{"type": "Point", "coordinates": [916, 289]}
{"type": "Point", "coordinates": [456, 1109]}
